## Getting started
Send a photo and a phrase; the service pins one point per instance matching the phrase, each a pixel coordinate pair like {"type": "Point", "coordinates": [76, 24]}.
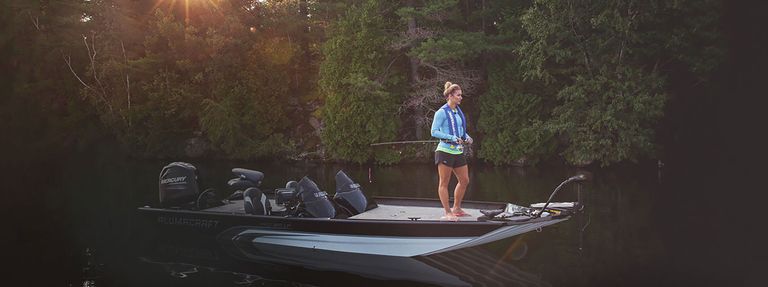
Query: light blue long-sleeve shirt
{"type": "Point", "coordinates": [441, 129]}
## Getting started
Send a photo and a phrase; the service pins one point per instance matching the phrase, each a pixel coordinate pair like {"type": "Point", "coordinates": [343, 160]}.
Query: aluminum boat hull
{"type": "Point", "coordinates": [399, 237]}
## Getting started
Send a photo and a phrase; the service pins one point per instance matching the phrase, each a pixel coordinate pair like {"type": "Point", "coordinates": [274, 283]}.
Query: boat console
{"type": "Point", "coordinates": [287, 194]}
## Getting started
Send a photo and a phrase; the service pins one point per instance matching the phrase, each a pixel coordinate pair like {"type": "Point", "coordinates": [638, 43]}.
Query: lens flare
{"type": "Point", "coordinates": [172, 4]}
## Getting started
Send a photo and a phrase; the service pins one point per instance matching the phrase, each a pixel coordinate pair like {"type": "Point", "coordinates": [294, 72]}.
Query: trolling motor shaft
{"type": "Point", "coordinates": [576, 178]}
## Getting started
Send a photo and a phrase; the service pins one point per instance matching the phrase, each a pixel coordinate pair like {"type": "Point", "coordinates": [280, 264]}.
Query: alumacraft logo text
{"type": "Point", "coordinates": [173, 180]}
{"type": "Point", "coordinates": [192, 222]}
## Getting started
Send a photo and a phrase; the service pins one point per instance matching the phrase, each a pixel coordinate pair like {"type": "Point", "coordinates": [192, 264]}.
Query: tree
{"type": "Point", "coordinates": [603, 60]}
{"type": "Point", "coordinates": [358, 109]}
{"type": "Point", "coordinates": [39, 117]}
{"type": "Point", "coordinates": [441, 46]}
{"type": "Point", "coordinates": [512, 110]}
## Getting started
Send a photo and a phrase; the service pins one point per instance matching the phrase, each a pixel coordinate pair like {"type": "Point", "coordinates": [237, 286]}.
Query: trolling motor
{"type": "Point", "coordinates": [520, 213]}
{"type": "Point", "coordinates": [577, 178]}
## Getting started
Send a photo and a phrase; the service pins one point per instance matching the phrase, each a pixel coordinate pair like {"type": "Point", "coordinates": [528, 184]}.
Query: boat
{"type": "Point", "coordinates": [302, 218]}
{"type": "Point", "coordinates": [225, 262]}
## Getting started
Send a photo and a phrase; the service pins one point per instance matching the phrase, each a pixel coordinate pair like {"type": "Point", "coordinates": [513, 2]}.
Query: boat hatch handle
{"type": "Point", "coordinates": [576, 178]}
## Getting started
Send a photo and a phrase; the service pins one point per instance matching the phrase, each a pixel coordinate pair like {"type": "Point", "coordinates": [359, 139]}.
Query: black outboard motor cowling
{"type": "Point", "coordinates": [314, 201]}
{"type": "Point", "coordinates": [349, 195]}
{"type": "Point", "coordinates": [178, 184]}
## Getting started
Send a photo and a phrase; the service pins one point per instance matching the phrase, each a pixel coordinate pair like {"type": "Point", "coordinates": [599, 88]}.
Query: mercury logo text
{"type": "Point", "coordinates": [173, 180]}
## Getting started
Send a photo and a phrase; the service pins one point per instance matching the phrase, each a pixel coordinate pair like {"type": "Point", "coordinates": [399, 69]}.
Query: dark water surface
{"type": "Point", "coordinates": [74, 223]}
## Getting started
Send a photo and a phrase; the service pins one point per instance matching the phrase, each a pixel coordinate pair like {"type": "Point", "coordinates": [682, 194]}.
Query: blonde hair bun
{"type": "Point", "coordinates": [449, 88]}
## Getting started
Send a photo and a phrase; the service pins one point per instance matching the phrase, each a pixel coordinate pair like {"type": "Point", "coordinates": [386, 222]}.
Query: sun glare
{"type": "Point", "coordinates": [171, 4]}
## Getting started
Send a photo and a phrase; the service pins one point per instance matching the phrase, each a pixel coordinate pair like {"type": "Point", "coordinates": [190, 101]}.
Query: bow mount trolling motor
{"type": "Point", "coordinates": [520, 213]}
{"type": "Point", "coordinates": [578, 205]}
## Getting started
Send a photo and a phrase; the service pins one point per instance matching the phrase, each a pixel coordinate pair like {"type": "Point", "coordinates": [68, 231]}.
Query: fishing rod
{"type": "Point", "coordinates": [405, 142]}
{"type": "Point", "coordinates": [370, 175]}
{"type": "Point", "coordinates": [410, 142]}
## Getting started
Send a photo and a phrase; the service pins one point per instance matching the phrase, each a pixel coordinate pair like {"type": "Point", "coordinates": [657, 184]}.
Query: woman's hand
{"type": "Point", "coordinates": [469, 140]}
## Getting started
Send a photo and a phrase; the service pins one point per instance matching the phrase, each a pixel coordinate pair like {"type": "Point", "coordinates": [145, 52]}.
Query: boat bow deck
{"type": "Point", "coordinates": [399, 212]}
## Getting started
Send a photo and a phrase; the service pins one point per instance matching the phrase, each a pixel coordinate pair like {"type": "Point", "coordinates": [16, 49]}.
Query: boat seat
{"type": "Point", "coordinates": [255, 202]}
{"type": "Point", "coordinates": [239, 183]}
{"type": "Point", "coordinates": [252, 175]}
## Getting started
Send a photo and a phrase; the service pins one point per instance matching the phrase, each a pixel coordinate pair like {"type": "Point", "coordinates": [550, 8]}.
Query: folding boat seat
{"type": "Point", "coordinates": [254, 176]}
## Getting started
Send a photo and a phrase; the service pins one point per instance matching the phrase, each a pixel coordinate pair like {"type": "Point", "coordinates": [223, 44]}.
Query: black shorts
{"type": "Point", "coordinates": [452, 160]}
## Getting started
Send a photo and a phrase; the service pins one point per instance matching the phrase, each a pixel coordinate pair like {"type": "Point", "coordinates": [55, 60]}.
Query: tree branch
{"type": "Point", "coordinates": [35, 21]}
{"type": "Point", "coordinates": [127, 82]}
{"type": "Point", "coordinates": [68, 61]}
{"type": "Point", "coordinates": [92, 56]}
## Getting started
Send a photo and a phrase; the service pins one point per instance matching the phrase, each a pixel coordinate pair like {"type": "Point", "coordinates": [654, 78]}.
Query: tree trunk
{"type": "Point", "coordinates": [415, 77]}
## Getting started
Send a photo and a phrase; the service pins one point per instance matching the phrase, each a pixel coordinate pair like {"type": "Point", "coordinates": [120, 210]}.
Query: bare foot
{"type": "Point", "coordinates": [449, 217]}
{"type": "Point", "coordinates": [459, 212]}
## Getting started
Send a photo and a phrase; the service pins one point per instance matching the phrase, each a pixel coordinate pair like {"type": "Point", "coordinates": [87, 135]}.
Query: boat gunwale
{"type": "Point", "coordinates": [371, 221]}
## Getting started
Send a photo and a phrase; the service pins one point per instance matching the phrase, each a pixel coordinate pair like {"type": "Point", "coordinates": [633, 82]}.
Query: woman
{"type": "Point", "coordinates": [450, 126]}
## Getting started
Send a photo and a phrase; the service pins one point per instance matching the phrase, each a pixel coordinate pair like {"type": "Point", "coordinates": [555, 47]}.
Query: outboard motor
{"type": "Point", "coordinates": [178, 184]}
{"type": "Point", "coordinates": [256, 202]}
{"type": "Point", "coordinates": [315, 202]}
{"type": "Point", "coordinates": [349, 195]}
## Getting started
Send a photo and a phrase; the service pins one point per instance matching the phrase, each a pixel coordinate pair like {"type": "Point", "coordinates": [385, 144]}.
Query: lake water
{"type": "Point", "coordinates": [75, 224]}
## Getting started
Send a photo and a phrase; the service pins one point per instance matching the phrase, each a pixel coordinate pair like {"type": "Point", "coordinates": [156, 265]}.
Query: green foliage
{"type": "Point", "coordinates": [356, 43]}
{"type": "Point", "coordinates": [352, 122]}
{"type": "Point", "coordinates": [608, 96]}
{"type": "Point", "coordinates": [609, 119]}
{"type": "Point", "coordinates": [358, 109]}
{"type": "Point", "coordinates": [511, 120]}
{"type": "Point", "coordinates": [219, 82]}
{"type": "Point", "coordinates": [39, 107]}
{"type": "Point", "coordinates": [239, 129]}
{"type": "Point", "coordinates": [451, 47]}
{"type": "Point", "coordinates": [228, 85]}
{"type": "Point", "coordinates": [587, 80]}
{"type": "Point", "coordinates": [163, 108]}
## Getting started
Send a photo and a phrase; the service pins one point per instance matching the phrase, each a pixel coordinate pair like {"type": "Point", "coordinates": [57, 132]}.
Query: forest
{"type": "Point", "coordinates": [574, 82]}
